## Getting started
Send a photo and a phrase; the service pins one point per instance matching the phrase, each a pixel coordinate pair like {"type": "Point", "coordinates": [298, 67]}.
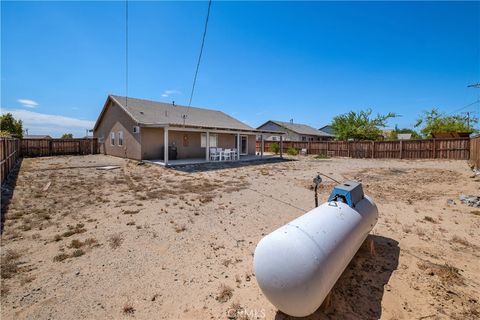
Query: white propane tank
{"type": "Point", "coordinates": [298, 264]}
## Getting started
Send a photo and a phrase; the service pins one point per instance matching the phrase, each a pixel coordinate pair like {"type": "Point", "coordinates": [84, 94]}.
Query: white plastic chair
{"type": "Point", "coordinates": [234, 154]}
{"type": "Point", "coordinates": [214, 154]}
{"type": "Point", "coordinates": [227, 154]}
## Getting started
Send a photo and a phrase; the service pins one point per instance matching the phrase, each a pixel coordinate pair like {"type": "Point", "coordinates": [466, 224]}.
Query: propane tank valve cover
{"type": "Point", "coordinates": [349, 192]}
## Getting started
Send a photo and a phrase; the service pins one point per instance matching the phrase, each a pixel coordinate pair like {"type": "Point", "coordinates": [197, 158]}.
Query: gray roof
{"type": "Point", "coordinates": [153, 113]}
{"type": "Point", "coordinates": [36, 136]}
{"type": "Point", "coordinates": [300, 128]}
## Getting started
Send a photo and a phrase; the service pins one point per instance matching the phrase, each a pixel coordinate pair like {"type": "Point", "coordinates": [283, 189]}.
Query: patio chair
{"type": "Point", "coordinates": [227, 154]}
{"type": "Point", "coordinates": [303, 152]}
{"type": "Point", "coordinates": [234, 154]}
{"type": "Point", "coordinates": [214, 154]}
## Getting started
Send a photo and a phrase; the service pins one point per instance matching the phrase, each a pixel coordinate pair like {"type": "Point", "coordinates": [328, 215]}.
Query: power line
{"type": "Point", "coordinates": [200, 55]}
{"type": "Point", "coordinates": [126, 53]}
{"type": "Point", "coordinates": [464, 107]}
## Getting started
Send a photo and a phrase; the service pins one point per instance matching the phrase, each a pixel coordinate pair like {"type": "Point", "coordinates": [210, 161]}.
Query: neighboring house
{"type": "Point", "coordinates": [139, 129]}
{"type": "Point", "coordinates": [327, 129]}
{"type": "Point", "coordinates": [293, 131]}
{"type": "Point", "coordinates": [36, 136]}
{"type": "Point", "coordinates": [404, 136]}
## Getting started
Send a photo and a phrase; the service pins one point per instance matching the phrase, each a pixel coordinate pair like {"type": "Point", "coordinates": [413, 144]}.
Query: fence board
{"type": "Point", "coordinates": [452, 148]}
{"type": "Point", "coordinates": [56, 147]}
{"type": "Point", "coordinates": [475, 151]}
{"type": "Point", "coordinates": [9, 155]}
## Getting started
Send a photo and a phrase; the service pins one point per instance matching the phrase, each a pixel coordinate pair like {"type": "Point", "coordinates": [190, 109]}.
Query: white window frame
{"type": "Point", "coordinates": [112, 138]}
{"type": "Point", "coordinates": [120, 138]}
{"type": "Point", "coordinates": [213, 140]}
{"type": "Point", "coordinates": [136, 129]}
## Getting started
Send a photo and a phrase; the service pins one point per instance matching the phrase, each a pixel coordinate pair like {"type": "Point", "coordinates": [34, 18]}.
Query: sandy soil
{"type": "Point", "coordinates": [147, 242]}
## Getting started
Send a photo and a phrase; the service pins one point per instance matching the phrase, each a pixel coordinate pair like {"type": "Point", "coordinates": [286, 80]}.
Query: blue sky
{"type": "Point", "coordinates": [308, 61]}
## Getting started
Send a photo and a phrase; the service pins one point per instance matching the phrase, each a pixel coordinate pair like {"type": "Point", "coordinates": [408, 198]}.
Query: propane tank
{"type": "Point", "coordinates": [298, 264]}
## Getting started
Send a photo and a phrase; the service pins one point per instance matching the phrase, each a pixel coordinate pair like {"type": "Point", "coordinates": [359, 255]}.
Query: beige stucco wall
{"type": "Point", "coordinates": [251, 144]}
{"type": "Point", "coordinates": [152, 142]}
{"type": "Point", "coordinates": [191, 148]}
{"type": "Point", "coordinates": [114, 120]}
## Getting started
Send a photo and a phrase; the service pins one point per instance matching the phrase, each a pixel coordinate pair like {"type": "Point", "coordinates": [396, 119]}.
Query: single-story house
{"type": "Point", "coordinates": [404, 136]}
{"type": "Point", "coordinates": [140, 129]}
{"type": "Point", "coordinates": [294, 131]}
{"type": "Point", "coordinates": [327, 129]}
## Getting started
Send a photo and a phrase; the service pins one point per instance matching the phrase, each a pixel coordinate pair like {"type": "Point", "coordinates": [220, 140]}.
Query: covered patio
{"type": "Point", "coordinates": [193, 145]}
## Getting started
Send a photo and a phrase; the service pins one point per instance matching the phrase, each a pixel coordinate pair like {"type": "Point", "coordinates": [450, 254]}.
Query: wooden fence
{"type": "Point", "coordinates": [55, 147]}
{"type": "Point", "coordinates": [458, 149]}
{"type": "Point", "coordinates": [475, 151]}
{"type": "Point", "coordinates": [9, 156]}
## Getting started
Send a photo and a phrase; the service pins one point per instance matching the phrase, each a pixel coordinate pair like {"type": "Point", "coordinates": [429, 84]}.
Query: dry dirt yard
{"type": "Point", "coordinates": [147, 242]}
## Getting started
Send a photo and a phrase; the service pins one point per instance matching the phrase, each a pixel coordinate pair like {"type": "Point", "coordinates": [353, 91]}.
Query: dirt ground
{"type": "Point", "coordinates": [147, 242]}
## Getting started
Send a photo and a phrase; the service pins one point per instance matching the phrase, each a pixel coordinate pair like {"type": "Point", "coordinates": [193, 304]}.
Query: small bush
{"type": "Point", "coordinates": [322, 156]}
{"type": "Point", "coordinates": [275, 148]}
{"type": "Point", "coordinates": [76, 244]}
{"type": "Point", "coordinates": [60, 257]}
{"type": "Point", "coordinates": [9, 265]}
{"type": "Point", "coordinates": [115, 241]}
{"type": "Point", "coordinates": [292, 151]}
{"type": "Point", "coordinates": [128, 309]}
{"type": "Point", "coordinates": [78, 253]}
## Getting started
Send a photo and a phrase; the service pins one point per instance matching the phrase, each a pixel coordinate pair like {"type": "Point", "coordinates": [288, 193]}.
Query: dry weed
{"type": "Point", "coordinates": [115, 241]}
{"type": "Point", "coordinates": [224, 294]}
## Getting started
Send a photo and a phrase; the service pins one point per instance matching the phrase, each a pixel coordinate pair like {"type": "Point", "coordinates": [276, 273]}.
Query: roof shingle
{"type": "Point", "coordinates": [148, 112]}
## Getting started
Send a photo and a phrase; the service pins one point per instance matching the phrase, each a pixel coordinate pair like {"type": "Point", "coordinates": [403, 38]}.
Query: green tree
{"type": "Point", "coordinates": [360, 125]}
{"type": "Point", "coordinates": [434, 121]}
{"type": "Point", "coordinates": [67, 136]}
{"type": "Point", "coordinates": [10, 126]}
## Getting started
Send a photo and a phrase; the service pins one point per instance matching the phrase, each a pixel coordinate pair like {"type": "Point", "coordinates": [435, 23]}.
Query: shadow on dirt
{"type": "Point", "coordinates": [359, 291]}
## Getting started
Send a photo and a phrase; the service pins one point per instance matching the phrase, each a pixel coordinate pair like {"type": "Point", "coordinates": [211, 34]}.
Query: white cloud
{"type": "Point", "coordinates": [28, 103]}
{"type": "Point", "coordinates": [170, 93]}
{"type": "Point", "coordinates": [30, 118]}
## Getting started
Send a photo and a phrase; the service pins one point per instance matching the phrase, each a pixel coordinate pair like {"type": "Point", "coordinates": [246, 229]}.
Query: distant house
{"type": "Point", "coordinates": [36, 136]}
{"type": "Point", "coordinates": [327, 129]}
{"type": "Point", "coordinates": [404, 136]}
{"type": "Point", "coordinates": [148, 130]}
{"type": "Point", "coordinates": [293, 131]}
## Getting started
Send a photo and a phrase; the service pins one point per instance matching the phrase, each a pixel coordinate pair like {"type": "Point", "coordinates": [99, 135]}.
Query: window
{"type": "Point", "coordinates": [304, 138]}
{"type": "Point", "coordinates": [136, 129]}
{"type": "Point", "coordinates": [120, 138]}
{"type": "Point", "coordinates": [213, 140]}
{"type": "Point", "coordinates": [112, 138]}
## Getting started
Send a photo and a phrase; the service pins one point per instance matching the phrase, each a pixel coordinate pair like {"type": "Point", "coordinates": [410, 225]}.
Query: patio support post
{"type": "Point", "coordinates": [165, 145]}
{"type": "Point", "coordinates": [207, 147]}
{"type": "Point", "coordinates": [262, 145]}
{"type": "Point", "coordinates": [238, 146]}
{"type": "Point", "coordinates": [281, 146]}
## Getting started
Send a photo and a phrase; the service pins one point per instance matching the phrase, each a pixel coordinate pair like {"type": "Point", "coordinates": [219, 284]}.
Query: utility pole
{"type": "Point", "coordinates": [476, 86]}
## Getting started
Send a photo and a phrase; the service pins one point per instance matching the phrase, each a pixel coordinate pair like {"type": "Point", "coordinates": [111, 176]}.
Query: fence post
{"type": "Point", "coordinates": [434, 148]}
{"type": "Point", "coordinates": [401, 149]}
{"type": "Point", "coordinates": [50, 148]}
{"type": "Point", "coordinates": [373, 149]}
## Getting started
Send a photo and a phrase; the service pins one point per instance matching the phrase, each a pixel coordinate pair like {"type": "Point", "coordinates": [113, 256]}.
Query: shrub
{"type": "Point", "coordinates": [322, 156]}
{"type": "Point", "coordinates": [275, 148]}
{"type": "Point", "coordinates": [292, 151]}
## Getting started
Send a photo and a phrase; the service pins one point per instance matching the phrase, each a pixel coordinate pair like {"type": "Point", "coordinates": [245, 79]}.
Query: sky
{"type": "Point", "coordinates": [306, 61]}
